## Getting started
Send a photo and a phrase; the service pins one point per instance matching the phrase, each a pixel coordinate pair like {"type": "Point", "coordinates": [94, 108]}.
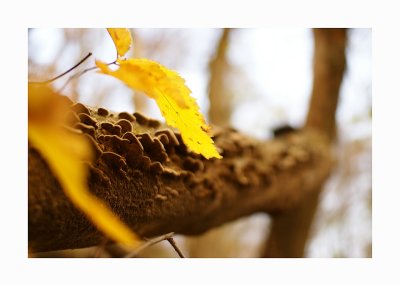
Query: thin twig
{"type": "Point", "coordinates": [172, 242]}
{"type": "Point", "coordinates": [151, 242]}
{"type": "Point", "coordinates": [79, 74]}
{"type": "Point", "coordinates": [148, 243]}
{"type": "Point", "coordinates": [64, 73]}
{"type": "Point", "coordinates": [75, 76]}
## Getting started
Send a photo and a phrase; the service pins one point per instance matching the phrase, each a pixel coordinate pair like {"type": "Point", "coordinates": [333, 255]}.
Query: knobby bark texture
{"type": "Point", "coordinates": [290, 230]}
{"type": "Point", "coordinates": [147, 176]}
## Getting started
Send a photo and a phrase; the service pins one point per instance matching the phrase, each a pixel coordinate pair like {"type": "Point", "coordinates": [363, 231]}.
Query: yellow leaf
{"type": "Point", "coordinates": [122, 39]}
{"type": "Point", "coordinates": [65, 152]}
{"type": "Point", "coordinates": [151, 78]}
{"type": "Point", "coordinates": [189, 121]}
{"type": "Point", "coordinates": [173, 98]}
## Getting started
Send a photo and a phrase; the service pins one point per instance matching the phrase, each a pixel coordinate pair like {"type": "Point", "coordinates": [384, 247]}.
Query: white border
{"type": "Point", "coordinates": [19, 15]}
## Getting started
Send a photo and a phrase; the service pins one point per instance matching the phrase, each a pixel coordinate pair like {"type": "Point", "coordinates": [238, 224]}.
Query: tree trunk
{"type": "Point", "coordinates": [218, 91]}
{"type": "Point", "coordinates": [148, 177]}
{"type": "Point", "coordinates": [289, 232]}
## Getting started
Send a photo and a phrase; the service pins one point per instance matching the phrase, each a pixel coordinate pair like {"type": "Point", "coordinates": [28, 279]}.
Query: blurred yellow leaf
{"type": "Point", "coordinates": [65, 153]}
{"type": "Point", "coordinates": [122, 39]}
{"type": "Point", "coordinates": [173, 98]}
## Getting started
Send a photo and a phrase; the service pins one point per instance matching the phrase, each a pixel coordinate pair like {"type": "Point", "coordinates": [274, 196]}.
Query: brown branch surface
{"type": "Point", "coordinates": [149, 178]}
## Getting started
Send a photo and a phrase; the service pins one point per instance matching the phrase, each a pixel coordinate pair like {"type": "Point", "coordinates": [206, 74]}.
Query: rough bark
{"type": "Point", "coordinates": [290, 230]}
{"type": "Point", "coordinates": [148, 177]}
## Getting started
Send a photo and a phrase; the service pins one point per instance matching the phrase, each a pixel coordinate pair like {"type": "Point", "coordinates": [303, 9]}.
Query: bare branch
{"type": "Point", "coordinates": [175, 246]}
{"type": "Point", "coordinates": [64, 73]}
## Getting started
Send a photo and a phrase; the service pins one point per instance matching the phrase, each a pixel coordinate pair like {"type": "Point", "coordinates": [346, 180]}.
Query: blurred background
{"type": "Point", "coordinates": [251, 79]}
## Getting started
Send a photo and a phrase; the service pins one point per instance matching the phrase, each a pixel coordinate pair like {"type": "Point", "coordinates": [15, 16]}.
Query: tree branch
{"type": "Point", "coordinates": [148, 177]}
